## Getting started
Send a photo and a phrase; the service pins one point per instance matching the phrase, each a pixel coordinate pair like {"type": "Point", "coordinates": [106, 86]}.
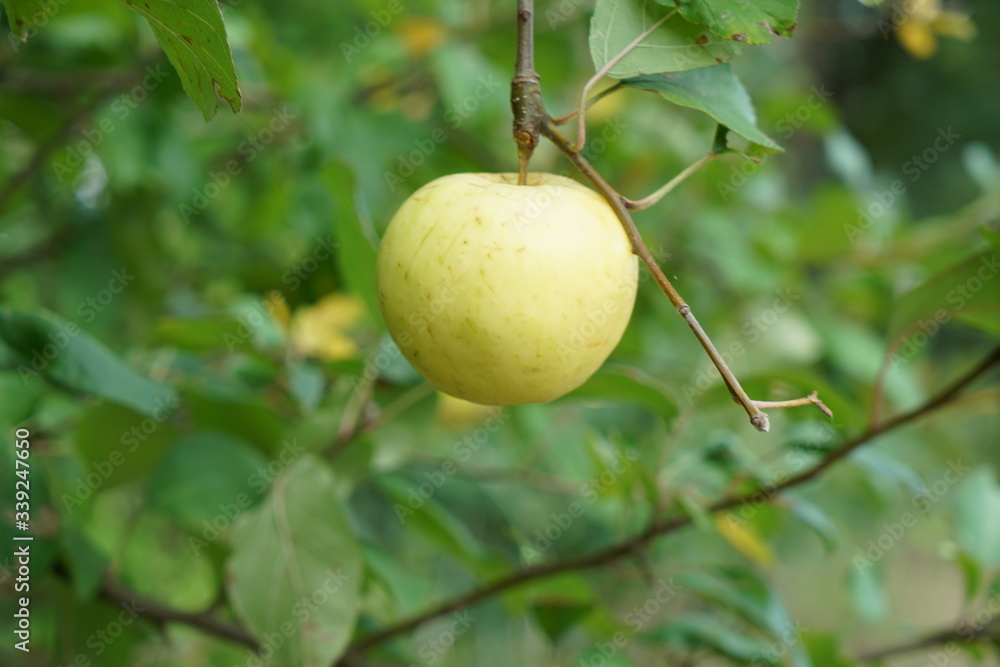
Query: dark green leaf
{"type": "Point", "coordinates": [119, 444]}
{"type": "Point", "coordinates": [556, 618]}
{"type": "Point", "coordinates": [675, 46]}
{"type": "Point", "coordinates": [749, 21]}
{"type": "Point", "coordinates": [206, 474]}
{"type": "Point", "coordinates": [968, 291]}
{"type": "Point", "coordinates": [59, 350]}
{"type": "Point", "coordinates": [716, 91]}
{"type": "Point", "coordinates": [193, 36]}
{"type": "Point", "coordinates": [355, 255]}
{"type": "Point", "coordinates": [630, 385]}
{"type": "Point", "coordinates": [86, 562]}
{"type": "Point", "coordinates": [704, 631]}
{"type": "Point", "coordinates": [295, 553]}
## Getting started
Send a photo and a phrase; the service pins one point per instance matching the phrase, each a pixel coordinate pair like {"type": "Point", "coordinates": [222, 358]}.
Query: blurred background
{"type": "Point", "coordinates": [200, 299]}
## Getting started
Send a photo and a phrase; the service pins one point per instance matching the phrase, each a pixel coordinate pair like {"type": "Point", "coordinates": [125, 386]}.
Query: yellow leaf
{"type": "Point", "coordinates": [278, 308]}
{"type": "Point", "coordinates": [954, 24]}
{"type": "Point", "coordinates": [918, 39]}
{"type": "Point", "coordinates": [742, 537]}
{"type": "Point", "coordinates": [321, 330]}
{"type": "Point", "coordinates": [421, 34]}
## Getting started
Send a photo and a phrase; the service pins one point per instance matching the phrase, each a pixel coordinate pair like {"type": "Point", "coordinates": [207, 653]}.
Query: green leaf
{"type": "Point", "coordinates": [976, 526]}
{"type": "Point", "coordinates": [749, 21]}
{"type": "Point", "coordinates": [629, 385]}
{"type": "Point", "coordinates": [697, 630]}
{"type": "Point", "coordinates": [120, 444]}
{"type": "Point", "coordinates": [355, 255]}
{"type": "Point", "coordinates": [193, 36]}
{"type": "Point", "coordinates": [85, 561]}
{"type": "Point", "coordinates": [206, 474]}
{"type": "Point", "coordinates": [59, 350]}
{"type": "Point", "coordinates": [716, 91]}
{"type": "Point", "coordinates": [675, 46]}
{"type": "Point", "coordinates": [866, 585]}
{"type": "Point", "coordinates": [971, 574]}
{"type": "Point", "coordinates": [813, 516]}
{"type": "Point", "coordinates": [297, 556]}
{"type": "Point", "coordinates": [207, 333]}
{"type": "Point", "coordinates": [23, 15]}
{"type": "Point", "coordinates": [968, 291]}
{"type": "Point", "coordinates": [824, 650]}
{"type": "Point", "coordinates": [557, 617]}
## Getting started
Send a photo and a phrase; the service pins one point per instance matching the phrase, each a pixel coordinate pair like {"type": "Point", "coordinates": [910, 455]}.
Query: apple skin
{"type": "Point", "coordinates": [503, 294]}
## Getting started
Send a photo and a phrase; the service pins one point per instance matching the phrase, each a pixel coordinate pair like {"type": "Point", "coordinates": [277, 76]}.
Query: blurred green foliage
{"type": "Point", "coordinates": [218, 420]}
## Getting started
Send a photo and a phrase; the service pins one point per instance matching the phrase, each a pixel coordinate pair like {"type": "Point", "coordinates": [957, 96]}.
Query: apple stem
{"type": "Point", "coordinates": [531, 120]}
{"type": "Point", "coordinates": [525, 92]}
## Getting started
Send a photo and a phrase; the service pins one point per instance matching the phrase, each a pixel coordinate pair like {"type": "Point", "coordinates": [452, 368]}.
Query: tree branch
{"type": "Point", "coordinates": [959, 634]}
{"type": "Point", "coordinates": [159, 615]}
{"type": "Point", "coordinates": [672, 524]}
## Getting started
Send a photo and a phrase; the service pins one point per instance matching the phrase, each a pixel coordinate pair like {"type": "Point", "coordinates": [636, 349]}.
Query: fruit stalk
{"type": "Point", "coordinates": [525, 91]}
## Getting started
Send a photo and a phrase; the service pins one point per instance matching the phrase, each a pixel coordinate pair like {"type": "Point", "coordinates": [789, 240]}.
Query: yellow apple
{"type": "Point", "coordinates": [505, 294]}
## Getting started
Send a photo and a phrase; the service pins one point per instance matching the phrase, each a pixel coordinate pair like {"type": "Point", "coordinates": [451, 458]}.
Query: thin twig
{"type": "Point", "coordinates": [646, 202]}
{"type": "Point", "coordinates": [672, 524]}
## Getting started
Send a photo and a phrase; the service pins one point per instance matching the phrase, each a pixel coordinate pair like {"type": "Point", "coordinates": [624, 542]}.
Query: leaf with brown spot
{"type": "Point", "coordinates": [747, 21]}
{"type": "Point", "coordinates": [193, 36]}
{"type": "Point", "coordinates": [23, 15]}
